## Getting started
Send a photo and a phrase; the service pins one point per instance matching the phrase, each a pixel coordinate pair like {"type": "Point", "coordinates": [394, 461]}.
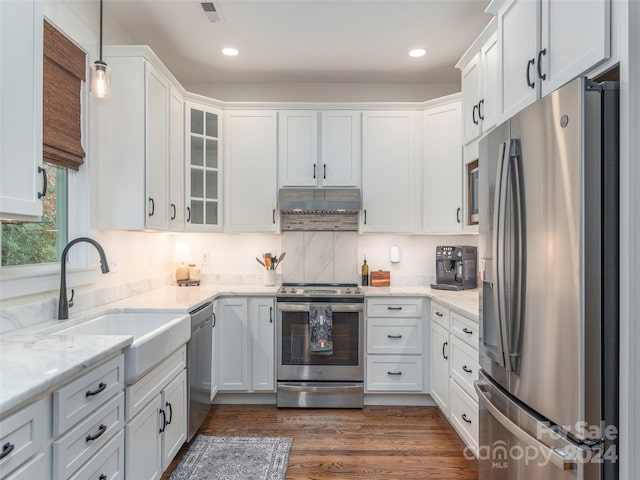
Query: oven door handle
{"type": "Point", "coordinates": [327, 388]}
{"type": "Point", "coordinates": [336, 307]}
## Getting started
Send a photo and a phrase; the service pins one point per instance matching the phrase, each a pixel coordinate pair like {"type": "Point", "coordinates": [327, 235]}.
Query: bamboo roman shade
{"type": "Point", "coordinates": [63, 74]}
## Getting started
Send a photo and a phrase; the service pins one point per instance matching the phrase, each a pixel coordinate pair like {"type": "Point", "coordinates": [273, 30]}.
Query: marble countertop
{"type": "Point", "coordinates": [31, 365]}
{"type": "Point", "coordinates": [33, 362]}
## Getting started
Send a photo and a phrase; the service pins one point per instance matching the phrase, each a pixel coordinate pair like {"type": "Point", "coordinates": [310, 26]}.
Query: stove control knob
{"type": "Point", "coordinates": [348, 291]}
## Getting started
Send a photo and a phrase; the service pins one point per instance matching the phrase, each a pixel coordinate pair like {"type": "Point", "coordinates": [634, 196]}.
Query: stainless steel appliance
{"type": "Point", "coordinates": [456, 268]}
{"type": "Point", "coordinates": [311, 380]}
{"type": "Point", "coordinates": [199, 367]}
{"type": "Point", "coordinates": [548, 387]}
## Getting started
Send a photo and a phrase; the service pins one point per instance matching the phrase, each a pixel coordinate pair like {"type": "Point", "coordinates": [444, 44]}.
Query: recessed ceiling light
{"type": "Point", "coordinates": [229, 51]}
{"type": "Point", "coordinates": [417, 52]}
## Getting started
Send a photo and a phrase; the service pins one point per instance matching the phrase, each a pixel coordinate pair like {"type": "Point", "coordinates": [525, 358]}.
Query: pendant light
{"type": "Point", "coordinates": [100, 72]}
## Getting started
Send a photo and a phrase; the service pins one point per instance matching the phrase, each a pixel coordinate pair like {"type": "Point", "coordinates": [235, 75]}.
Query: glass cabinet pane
{"type": "Point", "coordinates": [197, 212]}
{"type": "Point", "coordinates": [212, 185]}
{"type": "Point", "coordinates": [212, 213]}
{"type": "Point", "coordinates": [197, 183]}
{"type": "Point", "coordinates": [212, 125]}
{"type": "Point", "coordinates": [212, 153]}
{"type": "Point", "coordinates": [197, 150]}
{"type": "Point", "coordinates": [197, 121]}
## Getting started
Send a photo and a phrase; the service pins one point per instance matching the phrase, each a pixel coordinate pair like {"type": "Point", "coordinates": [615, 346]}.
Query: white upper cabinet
{"type": "Point", "coordinates": [135, 143]}
{"type": "Point", "coordinates": [442, 169]}
{"type": "Point", "coordinates": [319, 149]}
{"type": "Point", "coordinates": [479, 67]}
{"type": "Point", "coordinates": [176, 160]}
{"type": "Point", "coordinates": [388, 171]}
{"type": "Point", "coordinates": [544, 44]}
{"type": "Point", "coordinates": [340, 149]}
{"type": "Point", "coordinates": [298, 143]}
{"type": "Point", "coordinates": [250, 177]}
{"type": "Point", "coordinates": [21, 178]}
{"type": "Point", "coordinates": [203, 179]}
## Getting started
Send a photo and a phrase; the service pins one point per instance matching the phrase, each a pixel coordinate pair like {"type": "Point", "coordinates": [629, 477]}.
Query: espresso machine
{"type": "Point", "coordinates": [456, 268]}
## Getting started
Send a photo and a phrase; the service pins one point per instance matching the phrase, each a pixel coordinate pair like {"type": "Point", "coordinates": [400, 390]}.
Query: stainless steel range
{"type": "Point", "coordinates": [320, 380]}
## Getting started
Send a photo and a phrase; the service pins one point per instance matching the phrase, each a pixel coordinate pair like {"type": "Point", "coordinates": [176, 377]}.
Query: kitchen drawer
{"type": "Point", "coordinates": [398, 373]}
{"type": "Point", "coordinates": [465, 329]}
{"type": "Point", "coordinates": [141, 392]}
{"type": "Point", "coordinates": [464, 365]}
{"type": "Point", "coordinates": [37, 469]}
{"type": "Point", "coordinates": [395, 335]}
{"type": "Point", "coordinates": [440, 315]}
{"type": "Point", "coordinates": [107, 464]}
{"type": "Point", "coordinates": [77, 446]}
{"type": "Point", "coordinates": [394, 307]}
{"type": "Point", "coordinates": [464, 416]}
{"type": "Point", "coordinates": [76, 400]}
{"type": "Point", "coordinates": [24, 434]}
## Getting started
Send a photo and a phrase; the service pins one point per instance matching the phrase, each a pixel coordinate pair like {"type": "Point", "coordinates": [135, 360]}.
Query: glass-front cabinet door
{"type": "Point", "coordinates": [204, 175]}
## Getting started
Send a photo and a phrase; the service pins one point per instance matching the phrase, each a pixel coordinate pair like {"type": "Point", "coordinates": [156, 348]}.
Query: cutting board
{"type": "Point", "coordinates": [381, 278]}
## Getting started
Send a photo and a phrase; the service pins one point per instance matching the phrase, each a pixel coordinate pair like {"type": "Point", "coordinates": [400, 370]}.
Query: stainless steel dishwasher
{"type": "Point", "coordinates": [199, 367]}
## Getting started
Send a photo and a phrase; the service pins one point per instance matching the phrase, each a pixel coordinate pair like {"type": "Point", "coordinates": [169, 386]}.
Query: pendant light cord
{"type": "Point", "coordinates": [100, 31]}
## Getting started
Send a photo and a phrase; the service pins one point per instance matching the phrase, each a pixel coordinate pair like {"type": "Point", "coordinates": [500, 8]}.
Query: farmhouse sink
{"type": "Point", "coordinates": [155, 336]}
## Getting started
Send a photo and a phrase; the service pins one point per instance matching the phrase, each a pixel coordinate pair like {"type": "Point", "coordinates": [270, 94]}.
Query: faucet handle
{"type": "Point", "coordinates": [70, 301]}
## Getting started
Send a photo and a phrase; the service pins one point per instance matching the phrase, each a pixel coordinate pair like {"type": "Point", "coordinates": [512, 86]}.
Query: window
{"type": "Point", "coordinates": [64, 64]}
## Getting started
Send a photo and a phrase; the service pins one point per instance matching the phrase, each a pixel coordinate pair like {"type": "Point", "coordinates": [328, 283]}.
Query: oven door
{"type": "Point", "coordinates": [295, 360]}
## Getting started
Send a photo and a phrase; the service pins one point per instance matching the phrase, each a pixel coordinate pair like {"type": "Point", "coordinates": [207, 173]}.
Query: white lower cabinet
{"type": "Point", "coordinates": [246, 344]}
{"type": "Point", "coordinates": [37, 469]}
{"type": "Point", "coordinates": [158, 429]}
{"type": "Point", "coordinates": [454, 369]}
{"type": "Point", "coordinates": [108, 464]}
{"type": "Point", "coordinates": [395, 345]}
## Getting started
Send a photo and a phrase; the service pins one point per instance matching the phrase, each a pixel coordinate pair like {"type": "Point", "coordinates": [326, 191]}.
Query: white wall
{"type": "Point", "coordinates": [323, 92]}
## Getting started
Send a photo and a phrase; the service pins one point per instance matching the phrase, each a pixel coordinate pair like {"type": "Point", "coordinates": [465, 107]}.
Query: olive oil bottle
{"type": "Point", "coordinates": [365, 273]}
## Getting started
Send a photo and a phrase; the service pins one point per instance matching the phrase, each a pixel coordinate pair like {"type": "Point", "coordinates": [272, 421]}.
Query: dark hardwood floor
{"type": "Point", "coordinates": [377, 443]}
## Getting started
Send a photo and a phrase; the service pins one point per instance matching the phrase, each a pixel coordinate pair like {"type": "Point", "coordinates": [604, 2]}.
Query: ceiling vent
{"type": "Point", "coordinates": [211, 11]}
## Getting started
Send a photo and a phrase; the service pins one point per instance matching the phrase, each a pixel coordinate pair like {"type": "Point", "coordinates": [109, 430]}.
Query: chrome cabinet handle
{"type": "Point", "coordinates": [43, 193]}
{"type": "Point", "coordinates": [101, 429]}
{"type": "Point", "coordinates": [101, 387]}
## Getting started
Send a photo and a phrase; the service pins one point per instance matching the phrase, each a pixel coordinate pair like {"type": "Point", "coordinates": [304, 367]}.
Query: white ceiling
{"type": "Point", "coordinates": [363, 41]}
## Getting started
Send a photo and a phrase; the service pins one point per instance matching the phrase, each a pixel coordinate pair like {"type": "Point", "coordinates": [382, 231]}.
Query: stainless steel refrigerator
{"type": "Point", "coordinates": [548, 249]}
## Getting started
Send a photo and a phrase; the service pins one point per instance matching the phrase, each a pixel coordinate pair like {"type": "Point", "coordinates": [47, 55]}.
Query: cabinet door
{"type": "Point", "coordinates": [388, 163]}
{"type": "Point", "coordinates": [488, 107]}
{"type": "Point", "coordinates": [440, 367]}
{"type": "Point", "coordinates": [174, 404]}
{"type": "Point", "coordinates": [340, 149]}
{"type": "Point", "coordinates": [202, 168]}
{"type": "Point", "coordinates": [518, 33]}
{"type": "Point", "coordinates": [442, 182]}
{"type": "Point", "coordinates": [21, 114]}
{"type": "Point", "coordinates": [143, 444]}
{"type": "Point", "coordinates": [214, 354]}
{"type": "Point", "coordinates": [298, 148]}
{"type": "Point", "coordinates": [176, 160]}
{"type": "Point", "coordinates": [471, 96]}
{"type": "Point", "coordinates": [262, 326]}
{"type": "Point", "coordinates": [157, 149]}
{"type": "Point", "coordinates": [575, 38]}
{"type": "Point", "coordinates": [251, 185]}
{"type": "Point", "coordinates": [234, 355]}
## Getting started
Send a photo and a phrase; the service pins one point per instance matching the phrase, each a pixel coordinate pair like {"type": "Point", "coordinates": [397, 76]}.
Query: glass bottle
{"type": "Point", "coordinates": [365, 273]}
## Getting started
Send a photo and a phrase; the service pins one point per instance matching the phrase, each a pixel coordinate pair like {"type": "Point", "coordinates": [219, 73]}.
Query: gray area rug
{"type": "Point", "coordinates": [235, 458]}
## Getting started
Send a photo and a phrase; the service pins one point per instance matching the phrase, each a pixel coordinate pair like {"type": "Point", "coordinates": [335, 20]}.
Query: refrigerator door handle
{"type": "Point", "coordinates": [557, 457]}
{"type": "Point", "coordinates": [513, 321]}
{"type": "Point", "coordinates": [499, 213]}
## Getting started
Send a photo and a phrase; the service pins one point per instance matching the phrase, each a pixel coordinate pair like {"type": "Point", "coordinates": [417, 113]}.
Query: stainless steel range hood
{"type": "Point", "coordinates": [313, 209]}
{"type": "Point", "coordinates": [318, 200]}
